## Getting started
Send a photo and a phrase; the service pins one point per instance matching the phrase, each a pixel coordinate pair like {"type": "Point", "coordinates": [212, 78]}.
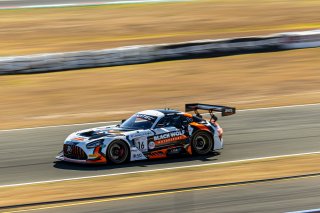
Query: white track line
{"type": "Point", "coordinates": [162, 169]}
{"type": "Point", "coordinates": [86, 4]}
{"type": "Point", "coordinates": [107, 122]}
{"type": "Point", "coordinates": [307, 211]}
{"type": "Point", "coordinates": [63, 125]}
{"type": "Point", "coordinates": [279, 107]}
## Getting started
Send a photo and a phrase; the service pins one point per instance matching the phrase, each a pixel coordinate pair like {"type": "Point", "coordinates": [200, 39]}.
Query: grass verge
{"type": "Point", "coordinates": [113, 93]}
{"type": "Point", "coordinates": [30, 31]}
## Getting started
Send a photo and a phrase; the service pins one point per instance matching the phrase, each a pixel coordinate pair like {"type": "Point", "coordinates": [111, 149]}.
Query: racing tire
{"type": "Point", "coordinates": [202, 143]}
{"type": "Point", "coordinates": [118, 152]}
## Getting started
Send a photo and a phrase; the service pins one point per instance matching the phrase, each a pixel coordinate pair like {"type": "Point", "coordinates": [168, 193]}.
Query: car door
{"type": "Point", "coordinates": [169, 131]}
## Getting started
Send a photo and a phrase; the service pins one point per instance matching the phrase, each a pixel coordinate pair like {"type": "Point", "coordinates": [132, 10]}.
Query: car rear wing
{"type": "Point", "coordinates": [225, 111]}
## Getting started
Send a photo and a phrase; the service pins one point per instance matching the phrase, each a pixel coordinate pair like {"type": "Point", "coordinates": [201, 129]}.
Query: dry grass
{"type": "Point", "coordinates": [268, 79]}
{"type": "Point", "coordinates": [171, 179]}
{"type": "Point", "coordinates": [243, 81]}
{"type": "Point", "coordinates": [80, 28]}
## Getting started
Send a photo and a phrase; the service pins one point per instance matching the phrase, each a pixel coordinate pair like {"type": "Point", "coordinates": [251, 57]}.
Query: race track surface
{"type": "Point", "coordinates": [29, 155]}
{"type": "Point", "coordinates": [278, 196]}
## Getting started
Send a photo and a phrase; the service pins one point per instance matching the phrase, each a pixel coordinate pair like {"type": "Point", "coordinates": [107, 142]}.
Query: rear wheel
{"type": "Point", "coordinates": [202, 143]}
{"type": "Point", "coordinates": [118, 152]}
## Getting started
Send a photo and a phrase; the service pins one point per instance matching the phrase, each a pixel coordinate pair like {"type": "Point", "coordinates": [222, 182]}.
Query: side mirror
{"type": "Point", "coordinates": [123, 120]}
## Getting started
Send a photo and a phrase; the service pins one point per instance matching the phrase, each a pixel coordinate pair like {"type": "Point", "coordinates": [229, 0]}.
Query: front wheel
{"type": "Point", "coordinates": [118, 152]}
{"type": "Point", "coordinates": [202, 143]}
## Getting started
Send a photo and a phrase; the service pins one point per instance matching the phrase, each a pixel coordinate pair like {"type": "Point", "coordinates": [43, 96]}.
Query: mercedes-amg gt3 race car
{"type": "Point", "coordinates": [149, 134]}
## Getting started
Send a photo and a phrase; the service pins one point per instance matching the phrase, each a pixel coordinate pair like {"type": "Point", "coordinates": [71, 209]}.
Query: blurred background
{"type": "Point", "coordinates": [112, 93]}
{"type": "Point", "coordinates": [109, 94]}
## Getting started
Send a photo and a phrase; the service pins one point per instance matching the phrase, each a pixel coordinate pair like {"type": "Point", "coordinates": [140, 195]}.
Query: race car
{"type": "Point", "coordinates": [149, 134]}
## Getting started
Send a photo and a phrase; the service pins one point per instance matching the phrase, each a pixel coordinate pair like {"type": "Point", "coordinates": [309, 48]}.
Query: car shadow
{"type": "Point", "coordinates": [136, 164]}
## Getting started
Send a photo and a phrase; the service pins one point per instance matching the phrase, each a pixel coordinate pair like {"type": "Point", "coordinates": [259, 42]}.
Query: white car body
{"type": "Point", "coordinates": [157, 141]}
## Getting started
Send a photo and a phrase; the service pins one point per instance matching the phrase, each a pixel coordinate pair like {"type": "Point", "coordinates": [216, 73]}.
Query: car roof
{"type": "Point", "coordinates": [159, 112]}
{"type": "Point", "coordinates": [152, 113]}
{"type": "Point", "coordinates": [168, 111]}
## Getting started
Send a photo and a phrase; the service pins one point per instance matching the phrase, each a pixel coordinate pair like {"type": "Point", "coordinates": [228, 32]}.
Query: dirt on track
{"type": "Point", "coordinates": [81, 28]}
{"type": "Point", "coordinates": [113, 93]}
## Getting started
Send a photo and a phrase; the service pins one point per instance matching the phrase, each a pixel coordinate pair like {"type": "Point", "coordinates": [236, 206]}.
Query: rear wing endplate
{"type": "Point", "coordinates": [225, 111]}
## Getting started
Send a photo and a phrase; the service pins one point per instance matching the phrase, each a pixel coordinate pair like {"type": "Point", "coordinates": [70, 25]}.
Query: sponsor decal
{"type": "Point", "coordinates": [190, 129]}
{"type": "Point", "coordinates": [139, 134]}
{"type": "Point", "coordinates": [174, 151]}
{"type": "Point", "coordinates": [164, 141]}
{"type": "Point", "coordinates": [69, 149]}
{"type": "Point", "coordinates": [152, 145]}
{"type": "Point", "coordinates": [169, 137]}
{"type": "Point", "coordinates": [228, 110]}
{"type": "Point", "coordinates": [78, 139]}
{"type": "Point", "coordinates": [137, 155]}
{"type": "Point", "coordinates": [115, 131]}
{"type": "Point", "coordinates": [146, 117]}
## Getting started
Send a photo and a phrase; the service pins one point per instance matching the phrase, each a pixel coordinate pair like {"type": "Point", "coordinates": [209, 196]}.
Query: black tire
{"type": "Point", "coordinates": [118, 152]}
{"type": "Point", "coordinates": [202, 143]}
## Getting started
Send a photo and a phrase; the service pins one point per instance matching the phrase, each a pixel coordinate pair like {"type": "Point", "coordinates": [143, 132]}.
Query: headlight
{"type": "Point", "coordinates": [94, 144]}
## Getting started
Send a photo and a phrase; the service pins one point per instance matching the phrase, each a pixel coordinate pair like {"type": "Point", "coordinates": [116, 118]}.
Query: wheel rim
{"type": "Point", "coordinates": [118, 152]}
{"type": "Point", "coordinates": [202, 144]}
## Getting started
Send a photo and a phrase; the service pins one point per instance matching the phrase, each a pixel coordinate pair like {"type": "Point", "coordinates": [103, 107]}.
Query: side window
{"type": "Point", "coordinates": [176, 121]}
{"type": "Point", "coordinates": [186, 120]}
{"type": "Point", "coordinates": [161, 123]}
{"type": "Point", "coordinates": [170, 121]}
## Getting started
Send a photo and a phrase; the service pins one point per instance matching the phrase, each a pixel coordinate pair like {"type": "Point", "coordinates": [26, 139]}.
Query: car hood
{"type": "Point", "coordinates": [98, 132]}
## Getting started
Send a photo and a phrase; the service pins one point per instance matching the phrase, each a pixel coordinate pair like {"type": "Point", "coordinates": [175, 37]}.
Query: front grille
{"type": "Point", "coordinates": [74, 152]}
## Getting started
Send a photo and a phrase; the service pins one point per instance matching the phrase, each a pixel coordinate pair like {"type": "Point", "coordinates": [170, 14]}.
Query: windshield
{"type": "Point", "coordinates": [139, 121]}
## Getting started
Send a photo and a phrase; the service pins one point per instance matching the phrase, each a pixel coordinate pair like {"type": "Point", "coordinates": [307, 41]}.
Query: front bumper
{"type": "Point", "coordinates": [61, 157]}
{"type": "Point", "coordinates": [100, 159]}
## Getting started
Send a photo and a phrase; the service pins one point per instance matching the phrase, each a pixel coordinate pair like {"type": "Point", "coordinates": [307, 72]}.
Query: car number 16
{"type": "Point", "coordinates": [141, 144]}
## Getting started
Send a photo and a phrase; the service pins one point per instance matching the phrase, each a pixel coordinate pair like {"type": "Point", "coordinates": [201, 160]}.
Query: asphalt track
{"type": "Point", "coordinates": [275, 196]}
{"type": "Point", "coordinates": [28, 155]}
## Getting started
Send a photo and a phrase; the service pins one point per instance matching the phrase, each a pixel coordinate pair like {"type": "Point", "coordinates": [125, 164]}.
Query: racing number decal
{"type": "Point", "coordinates": [141, 144]}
